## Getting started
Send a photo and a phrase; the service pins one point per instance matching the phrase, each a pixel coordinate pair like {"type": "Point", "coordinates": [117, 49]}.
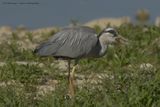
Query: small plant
{"type": "Point", "coordinates": [74, 22]}
{"type": "Point", "coordinates": [142, 16]}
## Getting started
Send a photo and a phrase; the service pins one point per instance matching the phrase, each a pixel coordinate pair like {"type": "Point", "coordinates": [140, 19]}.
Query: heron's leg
{"type": "Point", "coordinates": [72, 82]}
{"type": "Point", "coordinates": [69, 69]}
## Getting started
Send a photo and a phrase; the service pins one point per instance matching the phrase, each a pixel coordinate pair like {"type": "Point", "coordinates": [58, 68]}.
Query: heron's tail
{"type": "Point", "coordinates": [35, 50]}
{"type": "Point", "coordinates": [38, 49]}
{"type": "Point", "coordinates": [46, 49]}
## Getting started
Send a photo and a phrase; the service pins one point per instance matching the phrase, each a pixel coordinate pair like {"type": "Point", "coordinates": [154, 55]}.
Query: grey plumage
{"type": "Point", "coordinates": [73, 42]}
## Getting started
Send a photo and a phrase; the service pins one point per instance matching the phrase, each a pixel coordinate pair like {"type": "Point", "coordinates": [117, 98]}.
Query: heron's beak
{"type": "Point", "coordinates": [120, 39]}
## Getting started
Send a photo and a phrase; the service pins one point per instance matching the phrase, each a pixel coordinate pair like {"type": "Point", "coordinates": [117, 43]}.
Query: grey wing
{"type": "Point", "coordinates": [51, 46]}
{"type": "Point", "coordinates": [71, 42]}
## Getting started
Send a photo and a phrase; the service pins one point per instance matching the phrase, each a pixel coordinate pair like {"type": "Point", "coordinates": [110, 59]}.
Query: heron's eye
{"type": "Point", "coordinates": [112, 32]}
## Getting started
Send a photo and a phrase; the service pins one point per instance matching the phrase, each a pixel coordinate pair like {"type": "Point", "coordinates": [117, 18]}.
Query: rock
{"type": "Point", "coordinates": [103, 22]}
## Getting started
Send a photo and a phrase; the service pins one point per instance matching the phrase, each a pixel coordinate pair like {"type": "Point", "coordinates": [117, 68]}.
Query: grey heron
{"type": "Point", "coordinates": [74, 43]}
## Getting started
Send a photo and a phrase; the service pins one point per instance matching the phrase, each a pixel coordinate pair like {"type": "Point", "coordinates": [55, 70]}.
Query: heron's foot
{"type": "Point", "coordinates": [71, 89]}
{"type": "Point", "coordinates": [68, 97]}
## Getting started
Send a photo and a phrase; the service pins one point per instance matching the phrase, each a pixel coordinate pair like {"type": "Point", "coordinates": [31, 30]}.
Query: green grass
{"type": "Point", "coordinates": [127, 84]}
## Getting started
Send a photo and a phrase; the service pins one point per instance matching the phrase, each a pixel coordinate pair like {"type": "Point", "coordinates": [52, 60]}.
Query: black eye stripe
{"type": "Point", "coordinates": [111, 31]}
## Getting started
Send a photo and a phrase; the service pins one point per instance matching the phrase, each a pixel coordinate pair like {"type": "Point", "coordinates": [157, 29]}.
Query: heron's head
{"type": "Point", "coordinates": [111, 36]}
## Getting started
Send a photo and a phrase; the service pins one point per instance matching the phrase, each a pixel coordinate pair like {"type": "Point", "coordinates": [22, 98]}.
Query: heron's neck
{"type": "Point", "coordinates": [104, 46]}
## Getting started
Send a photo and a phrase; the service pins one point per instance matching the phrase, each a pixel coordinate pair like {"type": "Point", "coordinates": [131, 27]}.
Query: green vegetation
{"type": "Point", "coordinates": [127, 76]}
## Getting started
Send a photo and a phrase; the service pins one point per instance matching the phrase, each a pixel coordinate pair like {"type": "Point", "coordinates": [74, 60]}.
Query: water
{"type": "Point", "coordinates": [45, 13]}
